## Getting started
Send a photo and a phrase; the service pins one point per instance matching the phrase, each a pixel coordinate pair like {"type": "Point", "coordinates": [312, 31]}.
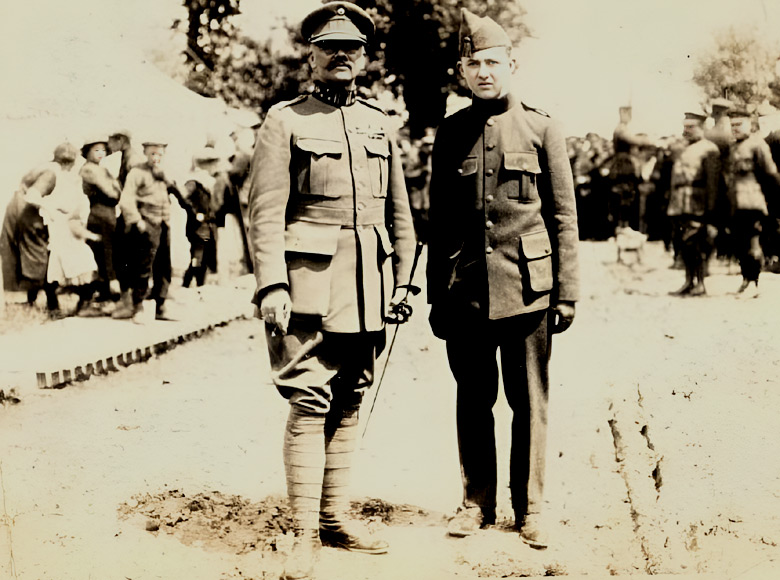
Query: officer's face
{"type": "Point", "coordinates": [741, 127]}
{"type": "Point", "coordinates": [488, 72]}
{"type": "Point", "coordinates": [693, 130]}
{"type": "Point", "coordinates": [154, 154]}
{"type": "Point", "coordinates": [337, 61]}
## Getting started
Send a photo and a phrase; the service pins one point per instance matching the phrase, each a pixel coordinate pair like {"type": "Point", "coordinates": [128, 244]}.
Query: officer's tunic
{"type": "Point", "coordinates": [329, 221]}
{"type": "Point", "coordinates": [502, 251]}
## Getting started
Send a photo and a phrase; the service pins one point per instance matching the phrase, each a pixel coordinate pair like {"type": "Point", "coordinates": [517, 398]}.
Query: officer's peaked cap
{"type": "Point", "coordinates": [696, 115]}
{"type": "Point", "coordinates": [338, 21]}
{"type": "Point", "coordinates": [478, 33]}
{"type": "Point", "coordinates": [739, 111]}
{"type": "Point", "coordinates": [721, 103]}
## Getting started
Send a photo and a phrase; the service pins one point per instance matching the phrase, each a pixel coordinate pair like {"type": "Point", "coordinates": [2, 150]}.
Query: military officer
{"type": "Point", "coordinates": [750, 165]}
{"type": "Point", "coordinates": [694, 191]}
{"type": "Point", "coordinates": [502, 272]}
{"type": "Point", "coordinates": [333, 242]}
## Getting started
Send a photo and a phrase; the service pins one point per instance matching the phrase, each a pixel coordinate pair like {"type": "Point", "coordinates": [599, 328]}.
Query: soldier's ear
{"type": "Point", "coordinates": [460, 67]}
{"type": "Point", "coordinates": [310, 58]}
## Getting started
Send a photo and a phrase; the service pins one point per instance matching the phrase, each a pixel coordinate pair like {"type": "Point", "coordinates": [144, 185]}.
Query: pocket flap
{"type": "Point", "coordinates": [535, 245]}
{"type": "Point", "coordinates": [527, 161]}
{"type": "Point", "coordinates": [384, 240]}
{"type": "Point", "coordinates": [320, 146]}
{"type": "Point", "coordinates": [379, 147]}
{"type": "Point", "coordinates": [469, 166]}
{"type": "Point", "coordinates": [312, 238]}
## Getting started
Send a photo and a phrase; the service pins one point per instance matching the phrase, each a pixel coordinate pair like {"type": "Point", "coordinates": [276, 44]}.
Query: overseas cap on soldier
{"type": "Point", "coordinates": [478, 33]}
{"type": "Point", "coordinates": [338, 21]}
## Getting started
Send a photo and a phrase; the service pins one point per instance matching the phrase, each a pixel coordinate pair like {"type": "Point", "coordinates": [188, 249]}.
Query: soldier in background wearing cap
{"type": "Point", "coordinates": [720, 134]}
{"type": "Point", "coordinates": [750, 166]}
{"type": "Point", "coordinates": [502, 273]}
{"type": "Point", "coordinates": [694, 190]}
{"type": "Point", "coordinates": [146, 213]}
{"type": "Point", "coordinates": [332, 240]}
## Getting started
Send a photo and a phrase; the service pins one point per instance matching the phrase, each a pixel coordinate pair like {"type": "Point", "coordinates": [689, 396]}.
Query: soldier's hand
{"type": "Point", "coordinates": [563, 316]}
{"type": "Point", "coordinates": [399, 310]}
{"type": "Point", "coordinates": [275, 309]}
{"type": "Point", "coordinates": [712, 232]}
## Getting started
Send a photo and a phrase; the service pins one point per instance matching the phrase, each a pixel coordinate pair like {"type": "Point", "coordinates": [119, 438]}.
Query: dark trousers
{"type": "Point", "coordinates": [149, 256]}
{"type": "Point", "coordinates": [524, 344]}
{"type": "Point", "coordinates": [102, 222]}
{"type": "Point", "coordinates": [746, 231]}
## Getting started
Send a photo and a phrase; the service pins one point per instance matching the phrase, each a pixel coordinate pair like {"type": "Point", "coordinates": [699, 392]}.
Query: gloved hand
{"type": "Point", "coordinates": [399, 311]}
{"type": "Point", "coordinates": [563, 316]}
{"type": "Point", "coordinates": [275, 309]}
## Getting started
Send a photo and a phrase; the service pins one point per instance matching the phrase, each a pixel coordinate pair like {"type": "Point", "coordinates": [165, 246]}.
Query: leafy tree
{"type": "Point", "coordinates": [413, 55]}
{"type": "Point", "coordinates": [742, 68]}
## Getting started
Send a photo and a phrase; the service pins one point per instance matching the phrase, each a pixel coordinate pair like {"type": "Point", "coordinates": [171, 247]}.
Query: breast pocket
{"type": "Point", "coordinates": [317, 166]}
{"type": "Point", "coordinates": [378, 155]}
{"type": "Point", "coordinates": [521, 170]}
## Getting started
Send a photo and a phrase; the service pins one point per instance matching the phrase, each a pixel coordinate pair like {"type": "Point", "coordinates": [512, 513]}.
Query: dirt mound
{"type": "Point", "coordinates": [231, 523]}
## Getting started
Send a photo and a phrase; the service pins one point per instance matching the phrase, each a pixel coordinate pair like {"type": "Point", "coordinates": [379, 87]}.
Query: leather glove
{"type": "Point", "coordinates": [563, 316]}
{"type": "Point", "coordinates": [275, 309]}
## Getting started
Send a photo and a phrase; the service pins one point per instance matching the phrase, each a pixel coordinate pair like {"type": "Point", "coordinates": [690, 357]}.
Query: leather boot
{"type": "Point", "coordinates": [303, 556]}
{"type": "Point", "coordinates": [124, 308]}
{"type": "Point", "coordinates": [532, 531]}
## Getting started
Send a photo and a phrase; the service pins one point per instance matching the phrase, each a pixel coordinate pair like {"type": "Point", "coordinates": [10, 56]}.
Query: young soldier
{"type": "Point", "coordinates": [332, 238]}
{"type": "Point", "coordinates": [692, 202]}
{"type": "Point", "coordinates": [749, 165]}
{"type": "Point", "coordinates": [502, 272]}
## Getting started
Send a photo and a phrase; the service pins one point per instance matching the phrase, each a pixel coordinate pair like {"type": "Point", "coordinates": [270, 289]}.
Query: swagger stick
{"type": "Point", "coordinates": [400, 313]}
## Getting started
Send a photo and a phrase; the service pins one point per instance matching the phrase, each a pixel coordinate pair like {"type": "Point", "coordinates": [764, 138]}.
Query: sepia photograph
{"type": "Point", "coordinates": [389, 290]}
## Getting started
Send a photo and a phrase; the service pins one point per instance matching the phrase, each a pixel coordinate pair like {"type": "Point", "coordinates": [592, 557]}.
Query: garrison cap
{"type": "Point", "coordinates": [338, 21]}
{"type": "Point", "coordinates": [478, 33]}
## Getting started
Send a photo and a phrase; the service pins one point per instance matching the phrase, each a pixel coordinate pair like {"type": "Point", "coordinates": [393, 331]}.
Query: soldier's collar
{"type": "Point", "coordinates": [493, 106]}
{"type": "Point", "coordinates": [334, 95]}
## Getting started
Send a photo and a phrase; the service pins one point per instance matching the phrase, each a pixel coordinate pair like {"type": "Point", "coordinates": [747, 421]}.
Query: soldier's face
{"type": "Point", "coordinates": [741, 127]}
{"type": "Point", "coordinates": [488, 72]}
{"type": "Point", "coordinates": [337, 61]}
{"type": "Point", "coordinates": [693, 130]}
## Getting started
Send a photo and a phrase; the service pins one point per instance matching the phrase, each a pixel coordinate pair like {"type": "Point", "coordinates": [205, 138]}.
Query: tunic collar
{"type": "Point", "coordinates": [334, 95]}
{"type": "Point", "coordinates": [490, 107]}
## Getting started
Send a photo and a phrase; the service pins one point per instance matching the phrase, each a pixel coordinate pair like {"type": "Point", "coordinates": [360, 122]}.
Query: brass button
{"type": "Point", "coordinates": [489, 172]}
{"type": "Point", "coordinates": [488, 250]}
{"type": "Point", "coordinates": [490, 146]}
{"type": "Point", "coordinates": [361, 205]}
{"type": "Point", "coordinates": [489, 198]}
{"type": "Point", "coordinates": [488, 224]}
{"type": "Point", "coordinates": [460, 171]}
{"type": "Point", "coordinates": [490, 122]}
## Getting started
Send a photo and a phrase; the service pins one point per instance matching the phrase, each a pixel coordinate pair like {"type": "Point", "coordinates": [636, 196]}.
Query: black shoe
{"type": "Point", "coordinates": [352, 536]}
{"type": "Point", "coordinates": [684, 291]}
{"type": "Point", "coordinates": [300, 562]}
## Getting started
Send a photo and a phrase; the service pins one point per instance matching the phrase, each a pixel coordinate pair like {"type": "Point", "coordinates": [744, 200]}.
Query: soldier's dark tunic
{"type": "Point", "coordinates": [502, 251]}
{"type": "Point", "coordinates": [329, 220]}
{"type": "Point", "coordinates": [750, 164]}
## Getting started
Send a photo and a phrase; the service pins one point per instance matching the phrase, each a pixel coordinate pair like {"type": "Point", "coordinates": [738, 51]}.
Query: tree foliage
{"type": "Point", "coordinates": [742, 68]}
{"type": "Point", "coordinates": [413, 55]}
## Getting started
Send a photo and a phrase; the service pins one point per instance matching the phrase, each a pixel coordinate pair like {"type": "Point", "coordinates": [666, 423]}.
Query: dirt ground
{"type": "Point", "coordinates": [661, 456]}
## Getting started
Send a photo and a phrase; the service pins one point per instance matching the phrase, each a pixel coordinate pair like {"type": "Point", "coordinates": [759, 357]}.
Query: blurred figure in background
{"type": "Point", "coordinates": [720, 134]}
{"type": "Point", "coordinates": [202, 207]}
{"type": "Point", "coordinates": [624, 172]}
{"type": "Point", "coordinates": [750, 165]}
{"type": "Point", "coordinates": [25, 237]}
{"type": "Point", "coordinates": [103, 191]}
{"type": "Point", "coordinates": [694, 189]}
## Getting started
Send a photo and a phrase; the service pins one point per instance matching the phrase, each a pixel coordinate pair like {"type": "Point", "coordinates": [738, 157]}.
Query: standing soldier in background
{"type": "Point", "coordinates": [502, 273]}
{"type": "Point", "coordinates": [332, 240]}
{"type": "Point", "coordinates": [720, 134]}
{"type": "Point", "coordinates": [624, 173]}
{"type": "Point", "coordinates": [694, 190]}
{"type": "Point", "coordinates": [749, 166]}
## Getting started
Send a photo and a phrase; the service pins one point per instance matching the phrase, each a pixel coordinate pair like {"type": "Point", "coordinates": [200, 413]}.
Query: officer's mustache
{"type": "Point", "coordinates": [338, 61]}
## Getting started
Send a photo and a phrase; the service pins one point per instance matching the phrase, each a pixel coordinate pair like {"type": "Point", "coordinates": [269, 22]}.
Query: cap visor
{"type": "Point", "coordinates": [338, 36]}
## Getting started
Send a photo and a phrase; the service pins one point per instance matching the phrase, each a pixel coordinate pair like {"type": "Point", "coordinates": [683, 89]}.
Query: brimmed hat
{"type": "Point", "coordinates": [696, 114]}
{"type": "Point", "coordinates": [92, 140]}
{"type": "Point", "coordinates": [479, 33]}
{"type": "Point", "coordinates": [338, 21]}
{"type": "Point", "coordinates": [721, 103]}
{"type": "Point", "coordinates": [739, 111]}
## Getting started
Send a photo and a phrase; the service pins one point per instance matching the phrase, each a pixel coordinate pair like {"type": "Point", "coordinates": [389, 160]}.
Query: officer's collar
{"type": "Point", "coordinates": [334, 95]}
{"type": "Point", "coordinates": [493, 106]}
